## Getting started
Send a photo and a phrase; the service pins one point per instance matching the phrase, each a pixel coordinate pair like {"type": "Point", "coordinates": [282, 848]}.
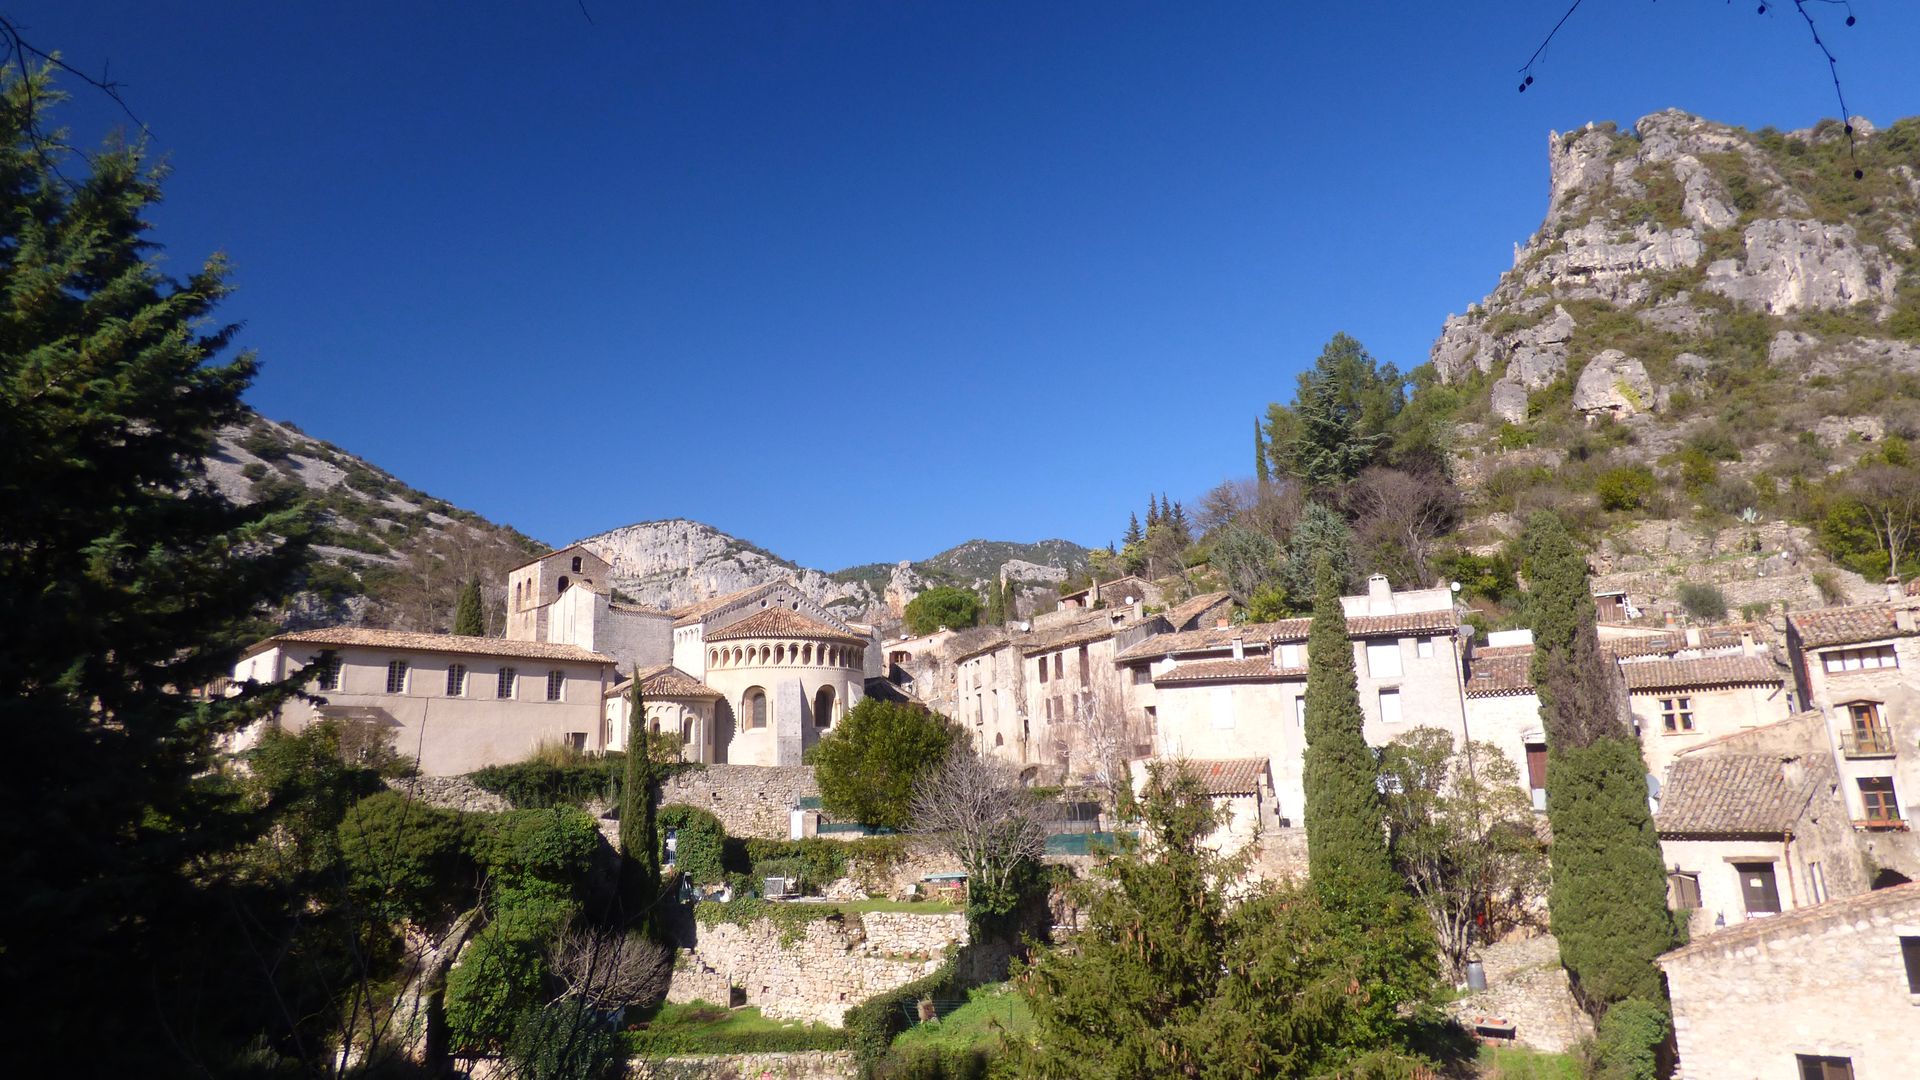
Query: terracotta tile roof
{"type": "Point", "coordinates": [1417, 622]}
{"type": "Point", "coordinates": [666, 681]}
{"type": "Point", "coordinates": [1116, 582]}
{"type": "Point", "coordinates": [1210, 638]}
{"type": "Point", "coordinates": [1232, 776]}
{"type": "Point", "coordinates": [1902, 898]}
{"type": "Point", "coordinates": [1673, 641]}
{"type": "Point", "coordinates": [1251, 669]}
{"type": "Point", "coordinates": [1500, 671]}
{"type": "Point", "coordinates": [687, 614]}
{"type": "Point", "coordinates": [1183, 613]}
{"type": "Point", "coordinates": [1848, 625]}
{"type": "Point", "coordinates": [782, 622]}
{"type": "Point", "coordinates": [367, 637]}
{"type": "Point", "coordinates": [1732, 795]}
{"type": "Point", "coordinates": [529, 561]}
{"type": "Point", "coordinates": [968, 644]}
{"type": "Point", "coordinates": [1098, 626]}
{"type": "Point", "coordinates": [1700, 671]}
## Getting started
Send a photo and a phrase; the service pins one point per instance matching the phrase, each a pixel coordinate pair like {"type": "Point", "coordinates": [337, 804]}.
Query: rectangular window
{"type": "Point", "coordinates": [1824, 1068]}
{"type": "Point", "coordinates": [1290, 656]}
{"type": "Point", "coordinates": [1870, 735]}
{"type": "Point", "coordinates": [1383, 659]}
{"type": "Point", "coordinates": [1758, 888]}
{"type": "Point", "coordinates": [504, 688]}
{"type": "Point", "coordinates": [1389, 706]}
{"type": "Point", "coordinates": [1300, 710]}
{"type": "Point", "coordinates": [1537, 774]}
{"type": "Point", "coordinates": [1910, 955]}
{"type": "Point", "coordinates": [1876, 795]}
{"type": "Point", "coordinates": [1878, 656]}
{"type": "Point", "coordinates": [396, 677]}
{"type": "Point", "coordinates": [1817, 882]}
{"type": "Point", "coordinates": [456, 680]}
{"type": "Point", "coordinates": [326, 671]}
{"type": "Point", "coordinates": [556, 685]}
{"type": "Point", "coordinates": [1059, 665]}
{"type": "Point", "coordinates": [1043, 671]}
{"type": "Point", "coordinates": [1142, 676]}
{"type": "Point", "coordinates": [1676, 715]}
{"type": "Point", "coordinates": [1684, 890]}
{"type": "Point", "coordinates": [578, 741]}
{"type": "Point", "coordinates": [1086, 670]}
{"type": "Point", "coordinates": [1423, 648]}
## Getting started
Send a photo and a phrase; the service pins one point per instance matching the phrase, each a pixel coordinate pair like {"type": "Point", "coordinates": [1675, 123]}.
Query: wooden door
{"type": "Point", "coordinates": [1758, 888]}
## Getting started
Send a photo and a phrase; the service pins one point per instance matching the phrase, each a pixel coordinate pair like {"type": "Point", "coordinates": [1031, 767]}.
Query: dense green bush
{"type": "Point", "coordinates": [932, 1063]}
{"type": "Point", "coordinates": [536, 785]}
{"type": "Point", "coordinates": [955, 609]}
{"type": "Point", "coordinates": [407, 860]}
{"type": "Point", "coordinates": [502, 974]}
{"type": "Point", "coordinates": [704, 1028]}
{"type": "Point", "coordinates": [1625, 487]}
{"type": "Point", "coordinates": [699, 843]}
{"type": "Point", "coordinates": [536, 856]}
{"type": "Point", "coordinates": [868, 765]}
{"type": "Point", "coordinates": [1630, 1041]}
{"type": "Point", "coordinates": [1702, 601]}
{"type": "Point", "coordinates": [566, 1040]}
{"type": "Point", "coordinates": [814, 861]}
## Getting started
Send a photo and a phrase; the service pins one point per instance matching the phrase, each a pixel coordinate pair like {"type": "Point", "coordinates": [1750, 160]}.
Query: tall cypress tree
{"type": "Point", "coordinates": [1153, 512]}
{"type": "Point", "coordinates": [1010, 599]}
{"type": "Point", "coordinates": [1377, 920]}
{"type": "Point", "coordinates": [469, 619]}
{"type": "Point", "coordinates": [639, 829]}
{"type": "Point", "coordinates": [1260, 469]}
{"type": "Point", "coordinates": [1609, 897]}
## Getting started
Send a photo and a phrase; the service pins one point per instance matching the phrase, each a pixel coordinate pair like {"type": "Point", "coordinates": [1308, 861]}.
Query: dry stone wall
{"type": "Point", "coordinates": [451, 793]}
{"type": "Point", "coordinates": [1527, 987]}
{"type": "Point", "coordinates": [837, 963]}
{"type": "Point", "coordinates": [750, 800]}
{"type": "Point", "coordinates": [808, 1065]}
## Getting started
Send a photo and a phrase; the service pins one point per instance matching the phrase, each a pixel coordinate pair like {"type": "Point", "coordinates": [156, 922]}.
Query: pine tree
{"type": "Point", "coordinates": [1183, 533]}
{"type": "Point", "coordinates": [996, 603]}
{"type": "Point", "coordinates": [469, 618]}
{"type": "Point", "coordinates": [1153, 512]}
{"type": "Point", "coordinates": [639, 828]}
{"type": "Point", "coordinates": [1010, 601]}
{"type": "Point", "coordinates": [1260, 469]}
{"type": "Point", "coordinates": [1608, 899]}
{"type": "Point", "coordinates": [1348, 862]}
{"type": "Point", "coordinates": [126, 580]}
{"type": "Point", "coordinates": [1133, 535]}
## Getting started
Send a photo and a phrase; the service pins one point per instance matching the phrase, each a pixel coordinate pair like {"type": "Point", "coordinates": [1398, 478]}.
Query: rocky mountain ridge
{"type": "Point", "coordinates": [1725, 322]}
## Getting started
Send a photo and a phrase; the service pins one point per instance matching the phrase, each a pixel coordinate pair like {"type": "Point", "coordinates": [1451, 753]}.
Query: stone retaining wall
{"type": "Point", "coordinates": [1527, 986]}
{"type": "Point", "coordinates": [451, 793]}
{"type": "Point", "coordinates": [750, 800]}
{"type": "Point", "coordinates": [808, 1065]}
{"type": "Point", "coordinates": [836, 964]}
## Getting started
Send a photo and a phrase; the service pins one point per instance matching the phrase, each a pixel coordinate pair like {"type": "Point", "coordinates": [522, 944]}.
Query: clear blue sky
{"type": "Point", "coordinates": [860, 280]}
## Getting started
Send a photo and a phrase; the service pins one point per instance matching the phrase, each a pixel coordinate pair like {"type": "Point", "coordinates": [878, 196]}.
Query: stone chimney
{"type": "Point", "coordinates": [1672, 623]}
{"type": "Point", "coordinates": [1139, 610]}
{"type": "Point", "coordinates": [1239, 647]}
{"type": "Point", "coordinates": [1379, 595]}
{"type": "Point", "coordinates": [1693, 637]}
{"type": "Point", "coordinates": [1223, 623]}
{"type": "Point", "coordinates": [1894, 594]}
{"type": "Point", "coordinates": [1747, 645]}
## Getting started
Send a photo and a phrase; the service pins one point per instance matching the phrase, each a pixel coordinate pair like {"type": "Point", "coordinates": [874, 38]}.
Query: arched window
{"type": "Point", "coordinates": [806, 654]}
{"type": "Point", "coordinates": [713, 657]}
{"type": "Point", "coordinates": [753, 708]}
{"type": "Point", "coordinates": [561, 585]}
{"type": "Point", "coordinates": [999, 740]}
{"type": "Point", "coordinates": [823, 707]}
{"type": "Point", "coordinates": [576, 564]}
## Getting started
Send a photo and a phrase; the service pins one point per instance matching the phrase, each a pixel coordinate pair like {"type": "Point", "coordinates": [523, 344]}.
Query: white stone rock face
{"type": "Point", "coordinates": [1791, 265]}
{"type": "Point", "coordinates": [1510, 401]}
{"type": "Point", "coordinates": [1613, 382]}
{"type": "Point", "coordinates": [663, 564]}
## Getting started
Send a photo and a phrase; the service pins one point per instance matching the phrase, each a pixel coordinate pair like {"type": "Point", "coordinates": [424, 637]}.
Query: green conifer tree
{"type": "Point", "coordinates": [1608, 899]}
{"type": "Point", "coordinates": [469, 618]}
{"type": "Point", "coordinates": [1260, 469]}
{"type": "Point", "coordinates": [1010, 602]}
{"type": "Point", "coordinates": [1134, 535]}
{"type": "Point", "coordinates": [639, 825]}
{"type": "Point", "coordinates": [1153, 512]}
{"type": "Point", "coordinates": [1348, 862]}
{"type": "Point", "coordinates": [126, 581]}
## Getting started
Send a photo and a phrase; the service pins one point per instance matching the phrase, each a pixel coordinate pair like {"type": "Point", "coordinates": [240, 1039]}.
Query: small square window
{"type": "Point", "coordinates": [326, 671]}
{"type": "Point", "coordinates": [1685, 890]}
{"type": "Point", "coordinates": [1824, 1068]}
{"type": "Point", "coordinates": [1423, 648]}
{"type": "Point", "coordinates": [1389, 706]}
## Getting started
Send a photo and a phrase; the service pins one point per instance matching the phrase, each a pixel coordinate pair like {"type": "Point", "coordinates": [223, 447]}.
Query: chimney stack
{"type": "Point", "coordinates": [1379, 595]}
{"type": "Point", "coordinates": [1894, 594]}
{"type": "Point", "coordinates": [1223, 623]}
{"type": "Point", "coordinates": [1239, 647]}
{"type": "Point", "coordinates": [1747, 646]}
{"type": "Point", "coordinates": [1693, 637]}
{"type": "Point", "coordinates": [1903, 619]}
{"type": "Point", "coordinates": [1671, 621]}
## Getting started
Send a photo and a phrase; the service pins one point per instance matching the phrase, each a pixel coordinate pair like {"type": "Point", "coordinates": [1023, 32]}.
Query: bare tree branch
{"type": "Point", "coordinates": [976, 810]}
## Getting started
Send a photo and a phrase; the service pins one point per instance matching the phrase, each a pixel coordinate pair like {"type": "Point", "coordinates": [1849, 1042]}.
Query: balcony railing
{"type": "Point", "coordinates": [1872, 743]}
{"type": "Point", "coordinates": [1881, 824]}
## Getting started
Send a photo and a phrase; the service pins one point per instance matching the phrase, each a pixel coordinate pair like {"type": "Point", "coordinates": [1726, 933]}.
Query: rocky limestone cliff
{"type": "Point", "coordinates": [670, 563]}
{"type": "Point", "coordinates": [1697, 285]}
